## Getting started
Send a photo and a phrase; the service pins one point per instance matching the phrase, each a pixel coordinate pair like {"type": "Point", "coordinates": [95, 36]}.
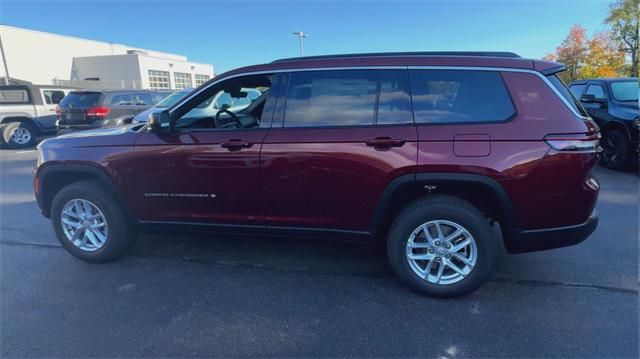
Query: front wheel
{"type": "Point", "coordinates": [90, 224]}
{"type": "Point", "coordinates": [441, 246]}
{"type": "Point", "coordinates": [18, 135]}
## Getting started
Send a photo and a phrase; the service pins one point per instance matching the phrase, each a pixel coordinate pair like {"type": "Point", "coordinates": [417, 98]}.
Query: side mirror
{"type": "Point", "coordinates": [593, 99]}
{"type": "Point", "coordinates": [159, 122]}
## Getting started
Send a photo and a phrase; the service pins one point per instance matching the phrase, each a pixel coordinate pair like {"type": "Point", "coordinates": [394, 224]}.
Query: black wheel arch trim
{"type": "Point", "coordinates": [33, 123]}
{"type": "Point", "coordinates": [92, 170]}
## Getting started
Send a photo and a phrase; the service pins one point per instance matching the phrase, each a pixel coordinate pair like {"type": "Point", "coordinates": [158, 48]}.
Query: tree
{"type": "Point", "coordinates": [623, 19]}
{"type": "Point", "coordinates": [572, 51]}
{"type": "Point", "coordinates": [605, 57]}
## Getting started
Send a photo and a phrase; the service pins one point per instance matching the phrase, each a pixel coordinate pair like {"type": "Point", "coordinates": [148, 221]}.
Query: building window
{"type": "Point", "coordinates": [200, 79]}
{"type": "Point", "coordinates": [158, 79]}
{"type": "Point", "coordinates": [182, 80]}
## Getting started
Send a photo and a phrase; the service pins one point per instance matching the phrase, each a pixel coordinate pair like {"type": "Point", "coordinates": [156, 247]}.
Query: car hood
{"type": "Point", "coordinates": [113, 136]}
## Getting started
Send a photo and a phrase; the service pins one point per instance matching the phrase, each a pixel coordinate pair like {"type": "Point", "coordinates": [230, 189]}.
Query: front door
{"type": "Point", "coordinates": [207, 169]}
{"type": "Point", "coordinates": [341, 137]}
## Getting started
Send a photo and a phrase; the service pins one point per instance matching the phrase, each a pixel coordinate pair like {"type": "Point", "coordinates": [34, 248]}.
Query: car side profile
{"type": "Point", "coordinates": [613, 104]}
{"type": "Point", "coordinates": [444, 157]}
{"type": "Point", "coordinates": [82, 110]}
{"type": "Point", "coordinates": [28, 111]}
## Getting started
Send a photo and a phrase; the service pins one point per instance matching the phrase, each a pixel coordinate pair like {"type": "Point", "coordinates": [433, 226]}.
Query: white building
{"type": "Point", "coordinates": [45, 58]}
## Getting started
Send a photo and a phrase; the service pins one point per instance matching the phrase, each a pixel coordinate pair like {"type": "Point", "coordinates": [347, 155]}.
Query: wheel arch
{"type": "Point", "coordinates": [616, 125]}
{"type": "Point", "coordinates": [51, 179]}
{"type": "Point", "coordinates": [483, 192]}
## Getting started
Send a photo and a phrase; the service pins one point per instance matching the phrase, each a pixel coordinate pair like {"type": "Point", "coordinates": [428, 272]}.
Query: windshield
{"type": "Point", "coordinates": [171, 99]}
{"type": "Point", "coordinates": [625, 91]}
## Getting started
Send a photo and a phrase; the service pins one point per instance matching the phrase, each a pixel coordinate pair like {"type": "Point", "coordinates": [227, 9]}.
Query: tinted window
{"type": "Point", "coordinates": [14, 96]}
{"type": "Point", "coordinates": [577, 90]}
{"type": "Point", "coordinates": [142, 99]}
{"type": "Point", "coordinates": [450, 96]}
{"type": "Point", "coordinates": [52, 97]}
{"type": "Point", "coordinates": [331, 98]}
{"type": "Point", "coordinates": [121, 99]}
{"type": "Point", "coordinates": [395, 104]}
{"type": "Point", "coordinates": [625, 91]}
{"type": "Point", "coordinates": [80, 99]}
{"type": "Point", "coordinates": [595, 90]}
{"type": "Point", "coordinates": [566, 94]}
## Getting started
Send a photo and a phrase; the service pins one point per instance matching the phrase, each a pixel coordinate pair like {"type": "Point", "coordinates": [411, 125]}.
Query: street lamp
{"type": "Point", "coordinates": [301, 35]}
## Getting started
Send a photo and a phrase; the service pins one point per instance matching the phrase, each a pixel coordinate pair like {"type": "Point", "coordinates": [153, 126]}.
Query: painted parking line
{"type": "Point", "coordinates": [21, 152]}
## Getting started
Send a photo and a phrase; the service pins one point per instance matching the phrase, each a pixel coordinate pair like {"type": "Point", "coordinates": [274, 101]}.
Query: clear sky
{"type": "Point", "coordinates": [232, 34]}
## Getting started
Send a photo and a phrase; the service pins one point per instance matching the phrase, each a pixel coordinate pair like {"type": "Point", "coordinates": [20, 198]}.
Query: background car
{"type": "Point", "coordinates": [613, 104]}
{"type": "Point", "coordinates": [165, 103]}
{"type": "Point", "coordinates": [94, 109]}
{"type": "Point", "coordinates": [28, 111]}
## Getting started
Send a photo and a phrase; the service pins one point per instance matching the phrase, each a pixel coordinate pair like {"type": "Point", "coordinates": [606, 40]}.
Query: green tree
{"type": "Point", "coordinates": [605, 57]}
{"type": "Point", "coordinates": [623, 19]}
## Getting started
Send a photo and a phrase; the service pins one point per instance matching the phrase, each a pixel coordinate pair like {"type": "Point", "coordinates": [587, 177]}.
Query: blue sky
{"type": "Point", "coordinates": [233, 34]}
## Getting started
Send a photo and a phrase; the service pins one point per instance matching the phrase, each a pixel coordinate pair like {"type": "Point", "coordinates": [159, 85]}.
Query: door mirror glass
{"type": "Point", "coordinates": [160, 122]}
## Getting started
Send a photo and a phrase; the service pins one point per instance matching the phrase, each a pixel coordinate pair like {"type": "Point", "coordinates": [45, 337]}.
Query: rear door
{"type": "Point", "coordinates": [339, 138]}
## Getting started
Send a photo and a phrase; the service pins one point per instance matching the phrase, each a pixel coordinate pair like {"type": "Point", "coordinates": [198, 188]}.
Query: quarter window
{"type": "Point", "coordinates": [331, 98]}
{"type": "Point", "coordinates": [200, 79]}
{"type": "Point", "coordinates": [596, 91]}
{"type": "Point", "coordinates": [459, 96]}
{"type": "Point", "coordinates": [158, 79]}
{"type": "Point", "coordinates": [182, 80]}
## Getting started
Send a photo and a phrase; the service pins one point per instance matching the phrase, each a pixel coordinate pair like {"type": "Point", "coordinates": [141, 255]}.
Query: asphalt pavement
{"type": "Point", "coordinates": [191, 295]}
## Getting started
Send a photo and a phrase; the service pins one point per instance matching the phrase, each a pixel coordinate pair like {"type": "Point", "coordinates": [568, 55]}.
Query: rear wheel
{"type": "Point", "coordinates": [18, 135]}
{"type": "Point", "coordinates": [442, 246]}
{"type": "Point", "coordinates": [616, 152]}
{"type": "Point", "coordinates": [89, 223]}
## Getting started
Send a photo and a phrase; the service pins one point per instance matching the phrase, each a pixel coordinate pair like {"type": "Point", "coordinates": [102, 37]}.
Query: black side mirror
{"type": "Point", "coordinates": [592, 99]}
{"type": "Point", "coordinates": [159, 122]}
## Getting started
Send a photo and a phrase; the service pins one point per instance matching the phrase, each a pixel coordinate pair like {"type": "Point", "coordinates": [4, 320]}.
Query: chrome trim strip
{"type": "Point", "coordinates": [467, 68]}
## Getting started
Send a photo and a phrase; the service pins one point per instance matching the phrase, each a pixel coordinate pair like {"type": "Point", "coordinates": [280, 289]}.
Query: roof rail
{"type": "Point", "coordinates": [415, 53]}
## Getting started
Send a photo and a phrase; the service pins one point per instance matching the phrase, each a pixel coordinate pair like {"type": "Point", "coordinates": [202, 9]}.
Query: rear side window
{"type": "Point", "coordinates": [576, 90]}
{"type": "Point", "coordinates": [394, 106]}
{"type": "Point", "coordinates": [142, 99]}
{"type": "Point", "coordinates": [331, 98]}
{"type": "Point", "coordinates": [80, 99]}
{"type": "Point", "coordinates": [566, 94]}
{"type": "Point", "coordinates": [459, 96]}
{"type": "Point", "coordinates": [123, 99]}
{"type": "Point", "coordinates": [16, 96]}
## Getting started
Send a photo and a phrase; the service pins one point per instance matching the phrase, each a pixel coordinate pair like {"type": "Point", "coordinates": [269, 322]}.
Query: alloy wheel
{"type": "Point", "coordinates": [20, 135]}
{"type": "Point", "coordinates": [84, 225]}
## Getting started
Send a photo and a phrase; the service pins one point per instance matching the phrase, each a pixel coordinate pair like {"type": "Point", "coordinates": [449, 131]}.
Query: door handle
{"type": "Point", "coordinates": [384, 142]}
{"type": "Point", "coordinates": [236, 145]}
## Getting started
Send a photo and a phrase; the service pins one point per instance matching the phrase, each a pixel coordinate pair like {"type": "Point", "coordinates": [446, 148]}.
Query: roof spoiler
{"type": "Point", "coordinates": [551, 68]}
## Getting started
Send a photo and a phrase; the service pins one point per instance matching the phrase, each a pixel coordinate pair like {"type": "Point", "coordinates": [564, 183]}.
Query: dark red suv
{"type": "Point", "coordinates": [445, 156]}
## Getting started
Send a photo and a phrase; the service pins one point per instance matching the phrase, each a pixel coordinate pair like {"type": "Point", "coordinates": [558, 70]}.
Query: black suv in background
{"type": "Point", "coordinates": [94, 109]}
{"type": "Point", "coordinates": [613, 104]}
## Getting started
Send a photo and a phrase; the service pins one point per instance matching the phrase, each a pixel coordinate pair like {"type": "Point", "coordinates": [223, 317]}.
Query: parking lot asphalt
{"type": "Point", "coordinates": [193, 295]}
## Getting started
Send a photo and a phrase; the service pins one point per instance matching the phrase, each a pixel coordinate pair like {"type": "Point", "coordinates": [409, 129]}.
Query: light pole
{"type": "Point", "coordinates": [4, 61]}
{"type": "Point", "coordinates": [301, 35]}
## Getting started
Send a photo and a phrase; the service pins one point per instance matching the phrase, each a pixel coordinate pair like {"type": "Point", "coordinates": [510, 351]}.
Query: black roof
{"type": "Point", "coordinates": [415, 53]}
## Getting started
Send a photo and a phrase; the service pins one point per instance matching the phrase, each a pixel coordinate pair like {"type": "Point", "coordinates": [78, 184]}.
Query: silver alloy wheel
{"type": "Point", "coordinates": [84, 225]}
{"type": "Point", "coordinates": [20, 135]}
{"type": "Point", "coordinates": [441, 252]}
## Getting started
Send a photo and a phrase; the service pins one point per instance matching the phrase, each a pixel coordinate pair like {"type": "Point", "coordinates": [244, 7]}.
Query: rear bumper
{"type": "Point", "coordinates": [549, 238]}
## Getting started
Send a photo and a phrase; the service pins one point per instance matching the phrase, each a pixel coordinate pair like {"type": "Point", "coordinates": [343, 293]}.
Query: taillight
{"type": "Point", "coordinates": [98, 111]}
{"type": "Point", "coordinates": [58, 111]}
{"type": "Point", "coordinates": [574, 143]}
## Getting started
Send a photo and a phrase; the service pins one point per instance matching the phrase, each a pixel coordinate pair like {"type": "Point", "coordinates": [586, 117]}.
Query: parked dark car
{"type": "Point", "coordinates": [445, 157]}
{"type": "Point", "coordinates": [95, 109]}
{"type": "Point", "coordinates": [613, 104]}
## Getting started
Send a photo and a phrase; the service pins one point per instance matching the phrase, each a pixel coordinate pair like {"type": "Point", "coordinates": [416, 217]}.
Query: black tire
{"type": "Point", "coordinates": [121, 235]}
{"type": "Point", "coordinates": [9, 128]}
{"type": "Point", "coordinates": [616, 150]}
{"type": "Point", "coordinates": [449, 208]}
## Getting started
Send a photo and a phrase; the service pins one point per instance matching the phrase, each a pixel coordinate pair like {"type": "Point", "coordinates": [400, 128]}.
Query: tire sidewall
{"type": "Point", "coordinates": [119, 236]}
{"type": "Point", "coordinates": [8, 129]}
{"type": "Point", "coordinates": [410, 219]}
{"type": "Point", "coordinates": [624, 148]}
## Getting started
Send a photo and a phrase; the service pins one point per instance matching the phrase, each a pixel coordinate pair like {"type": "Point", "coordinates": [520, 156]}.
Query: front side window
{"type": "Point", "coordinates": [14, 96]}
{"type": "Point", "coordinates": [596, 91]}
{"type": "Point", "coordinates": [159, 79]}
{"type": "Point", "coordinates": [52, 97]}
{"type": "Point", "coordinates": [331, 98]}
{"type": "Point", "coordinates": [233, 104]}
{"type": "Point", "coordinates": [182, 80]}
{"type": "Point", "coordinates": [577, 90]}
{"type": "Point", "coordinates": [200, 79]}
{"type": "Point", "coordinates": [625, 91]}
{"type": "Point", "coordinates": [394, 106]}
{"type": "Point", "coordinates": [459, 96]}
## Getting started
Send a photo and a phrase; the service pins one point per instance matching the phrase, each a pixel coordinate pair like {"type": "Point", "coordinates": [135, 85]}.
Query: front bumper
{"type": "Point", "coordinates": [549, 238]}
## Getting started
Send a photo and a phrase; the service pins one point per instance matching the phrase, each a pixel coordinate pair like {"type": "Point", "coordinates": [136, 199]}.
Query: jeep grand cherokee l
{"type": "Point", "coordinates": [444, 156]}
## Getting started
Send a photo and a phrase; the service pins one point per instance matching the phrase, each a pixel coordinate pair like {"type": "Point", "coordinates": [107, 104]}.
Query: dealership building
{"type": "Point", "coordinates": [44, 58]}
